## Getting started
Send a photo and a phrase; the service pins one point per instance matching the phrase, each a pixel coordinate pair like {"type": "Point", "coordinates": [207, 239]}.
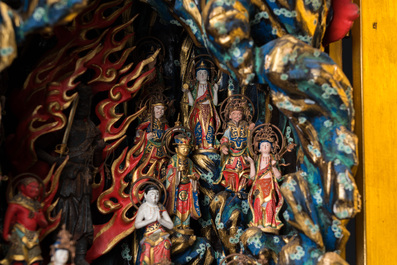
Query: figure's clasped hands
{"type": "Point", "coordinates": [155, 217]}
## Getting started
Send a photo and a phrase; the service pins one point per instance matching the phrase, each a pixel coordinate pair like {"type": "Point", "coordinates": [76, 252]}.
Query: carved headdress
{"type": "Point", "coordinates": [203, 62]}
{"type": "Point", "coordinates": [158, 99]}
{"type": "Point", "coordinates": [266, 134]}
{"type": "Point", "coordinates": [237, 104]}
{"type": "Point", "coordinates": [202, 65]}
{"type": "Point", "coordinates": [240, 104]}
{"type": "Point", "coordinates": [181, 139]}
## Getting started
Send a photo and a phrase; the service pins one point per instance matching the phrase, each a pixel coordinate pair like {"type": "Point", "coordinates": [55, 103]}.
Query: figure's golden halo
{"type": "Point", "coordinates": [143, 43]}
{"type": "Point", "coordinates": [169, 134]}
{"type": "Point", "coordinates": [266, 131]}
{"type": "Point", "coordinates": [137, 193]}
{"type": "Point", "coordinates": [214, 73]}
{"type": "Point", "coordinates": [227, 104]}
{"type": "Point", "coordinates": [149, 101]}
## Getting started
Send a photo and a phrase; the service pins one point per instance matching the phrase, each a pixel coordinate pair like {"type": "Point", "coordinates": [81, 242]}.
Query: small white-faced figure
{"type": "Point", "coordinates": [158, 111]}
{"type": "Point", "coordinates": [265, 148]}
{"type": "Point", "coordinates": [236, 116]}
{"type": "Point", "coordinates": [60, 257]}
{"type": "Point", "coordinates": [152, 197]}
{"type": "Point", "coordinates": [202, 76]}
{"type": "Point", "coordinates": [149, 211]}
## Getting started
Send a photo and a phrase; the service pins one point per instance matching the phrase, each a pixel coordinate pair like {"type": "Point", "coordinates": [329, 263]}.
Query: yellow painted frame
{"type": "Point", "coordinates": [357, 98]}
{"type": "Point", "coordinates": [363, 95]}
{"type": "Point", "coordinates": [375, 98]}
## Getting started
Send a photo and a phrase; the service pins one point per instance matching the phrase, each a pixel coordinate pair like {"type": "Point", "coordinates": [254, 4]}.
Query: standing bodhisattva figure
{"type": "Point", "coordinates": [182, 185]}
{"type": "Point", "coordinates": [203, 120]}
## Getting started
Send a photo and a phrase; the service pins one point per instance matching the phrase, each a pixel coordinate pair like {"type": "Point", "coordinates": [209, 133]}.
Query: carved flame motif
{"type": "Point", "coordinates": [48, 90]}
{"type": "Point", "coordinates": [51, 182]}
{"type": "Point", "coordinates": [115, 201]}
{"type": "Point", "coordinates": [45, 93]}
{"type": "Point", "coordinates": [110, 233]}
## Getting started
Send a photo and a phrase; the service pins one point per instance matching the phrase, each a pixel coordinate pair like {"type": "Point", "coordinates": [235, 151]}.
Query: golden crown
{"type": "Point", "coordinates": [181, 139]}
{"type": "Point", "coordinates": [202, 65]}
{"type": "Point", "coordinates": [266, 134]}
{"type": "Point", "coordinates": [159, 99]}
{"type": "Point", "coordinates": [238, 104]}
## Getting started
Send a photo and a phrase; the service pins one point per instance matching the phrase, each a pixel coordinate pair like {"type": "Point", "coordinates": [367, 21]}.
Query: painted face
{"type": "Point", "coordinates": [202, 75]}
{"type": "Point", "coordinates": [158, 111]}
{"type": "Point", "coordinates": [31, 190]}
{"type": "Point", "coordinates": [236, 116]}
{"type": "Point", "coordinates": [61, 256]}
{"type": "Point", "coordinates": [265, 148]}
{"type": "Point", "coordinates": [183, 150]}
{"type": "Point", "coordinates": [152, 196]}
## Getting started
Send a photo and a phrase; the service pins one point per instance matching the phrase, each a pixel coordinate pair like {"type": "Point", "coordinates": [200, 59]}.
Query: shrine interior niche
{"type": "Point", "coordinates": [176, 132]}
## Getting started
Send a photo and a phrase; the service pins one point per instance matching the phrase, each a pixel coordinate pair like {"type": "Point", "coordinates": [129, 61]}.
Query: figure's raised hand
{"type": "Point", "coordinates": [220, 80]}
{"type": "Point", "coordinates": [249, 159]}
{"type": "Point", "coordinates": [225, 150]}
{"type": "Point", "coordinates": [216, 88]}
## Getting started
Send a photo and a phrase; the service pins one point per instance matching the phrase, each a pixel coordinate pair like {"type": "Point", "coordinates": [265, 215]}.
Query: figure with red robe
{"type": "Point", "coordinates": [155, 247]}
{"type": "Point", "coordinates": [265, 198]}
{"type": "Point", "coordinates": [203, 118]}
{"type": "Point", "coordinates": [24, 216]}
{"type": "Point", "coordinates": [148, 144]}
{"type": "Point", "coordinates": [234, 147]}
{"type": "Point", "coordinates": [182, 185]}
